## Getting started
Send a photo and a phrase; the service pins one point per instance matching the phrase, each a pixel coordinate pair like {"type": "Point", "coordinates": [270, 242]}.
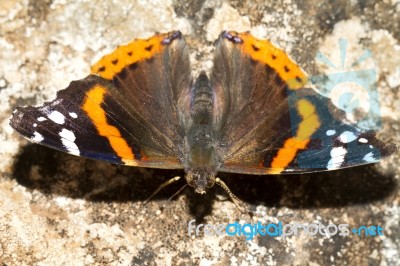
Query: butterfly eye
{"type": "Point", "coordinates": [210, 182]}
{"type": "Point", "coordinates": [200, 179]}
{"type": "Point", "coordinates": [190, 180]}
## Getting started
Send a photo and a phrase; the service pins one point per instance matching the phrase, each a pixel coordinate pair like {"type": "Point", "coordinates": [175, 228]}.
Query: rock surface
{"type": "Point", "coordinates": [57, 209]}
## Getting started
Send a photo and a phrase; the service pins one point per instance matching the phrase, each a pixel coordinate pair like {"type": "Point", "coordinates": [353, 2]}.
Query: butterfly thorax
{"type": "Point", "coordinates": [202, 160]}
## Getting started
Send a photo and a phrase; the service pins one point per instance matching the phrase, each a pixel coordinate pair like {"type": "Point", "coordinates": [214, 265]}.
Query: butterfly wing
{"type": "Point", "coordinates": [127, 111]}
{"type": "Point", "coordinates": [267, 123]}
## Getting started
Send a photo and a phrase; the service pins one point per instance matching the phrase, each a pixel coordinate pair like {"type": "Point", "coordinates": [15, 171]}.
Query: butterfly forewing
{"type": "Point", "coordinates": [269, 123]}
{"type": "Point", "coordinates": [128, 111]}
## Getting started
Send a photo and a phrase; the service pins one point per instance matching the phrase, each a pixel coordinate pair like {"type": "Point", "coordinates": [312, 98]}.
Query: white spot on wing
{"type": "Point", "coordinates": [41, 119]}
{"type": "Point", "coordinates": [37, 137]}
{"type": "Point", "coordinates": [67, 134]}
{"type": "Point", "coordinates": [337, 158]}
{"type": "Point", "coordinates": [369, 157]}
{"type": "Point", "coordinates": [73, 115]}
{"type": "Point", "coordinates": [68, 140]}
{"type": "Point", "coordinates": [347, 137]}
{"type": "Point", "coordinates": [330, 132]}
{"type": "Point", "coordinates": [56, 117]}
{"type": "Point", "coordinates": [34, 125]}
{"type": "Point", "coordinates": [363, 140]}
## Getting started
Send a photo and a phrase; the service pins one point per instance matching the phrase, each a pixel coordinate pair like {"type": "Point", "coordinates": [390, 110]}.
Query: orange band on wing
{"type": "Point", "coordinates": [92, 106]}
{"type": "Point", "coordinates": [137, 50]}
{"type": "Point", "coordinates": [267, 53]}
{"type": "Point", "coordinates": [309, 124]}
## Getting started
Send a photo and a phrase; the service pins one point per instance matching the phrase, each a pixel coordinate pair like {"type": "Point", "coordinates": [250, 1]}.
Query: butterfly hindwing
{"type": "Point", "coordinates": [127, 111]}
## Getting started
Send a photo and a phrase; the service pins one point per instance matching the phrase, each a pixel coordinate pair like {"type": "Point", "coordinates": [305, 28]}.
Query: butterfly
{"type": "Point", "coordinates": [253, 114]}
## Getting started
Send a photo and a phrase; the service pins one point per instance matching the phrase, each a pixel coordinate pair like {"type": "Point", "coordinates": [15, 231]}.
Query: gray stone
{"type": "Point", "coordinates": [58, 209]}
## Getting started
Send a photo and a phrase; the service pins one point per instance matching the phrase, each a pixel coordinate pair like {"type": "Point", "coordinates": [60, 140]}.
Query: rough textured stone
{"type": "Point", "coordinates": [57, 209]}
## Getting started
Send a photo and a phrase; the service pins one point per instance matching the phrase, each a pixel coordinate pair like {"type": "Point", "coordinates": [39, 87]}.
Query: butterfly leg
{"type": "Point", "coordinates": [163, 185]}
{"type": "Point", "coordinates": [176, 193]}
{"type": "Point", "coordinates": [233, 197]}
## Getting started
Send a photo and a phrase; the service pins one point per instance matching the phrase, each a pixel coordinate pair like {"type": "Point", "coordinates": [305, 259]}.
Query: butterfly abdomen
{"type": "Point", "coordinates": [202, 101]}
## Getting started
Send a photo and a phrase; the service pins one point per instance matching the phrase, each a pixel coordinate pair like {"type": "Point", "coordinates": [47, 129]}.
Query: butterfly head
{"type": "Point", "coordinates": [200, 179]}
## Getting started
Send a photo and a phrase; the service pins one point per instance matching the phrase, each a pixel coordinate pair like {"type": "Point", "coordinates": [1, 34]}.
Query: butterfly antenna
{"type": "Point", "coordinates": [163, 185]}
{"type": "Point", "coordinates": [233, 197]}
